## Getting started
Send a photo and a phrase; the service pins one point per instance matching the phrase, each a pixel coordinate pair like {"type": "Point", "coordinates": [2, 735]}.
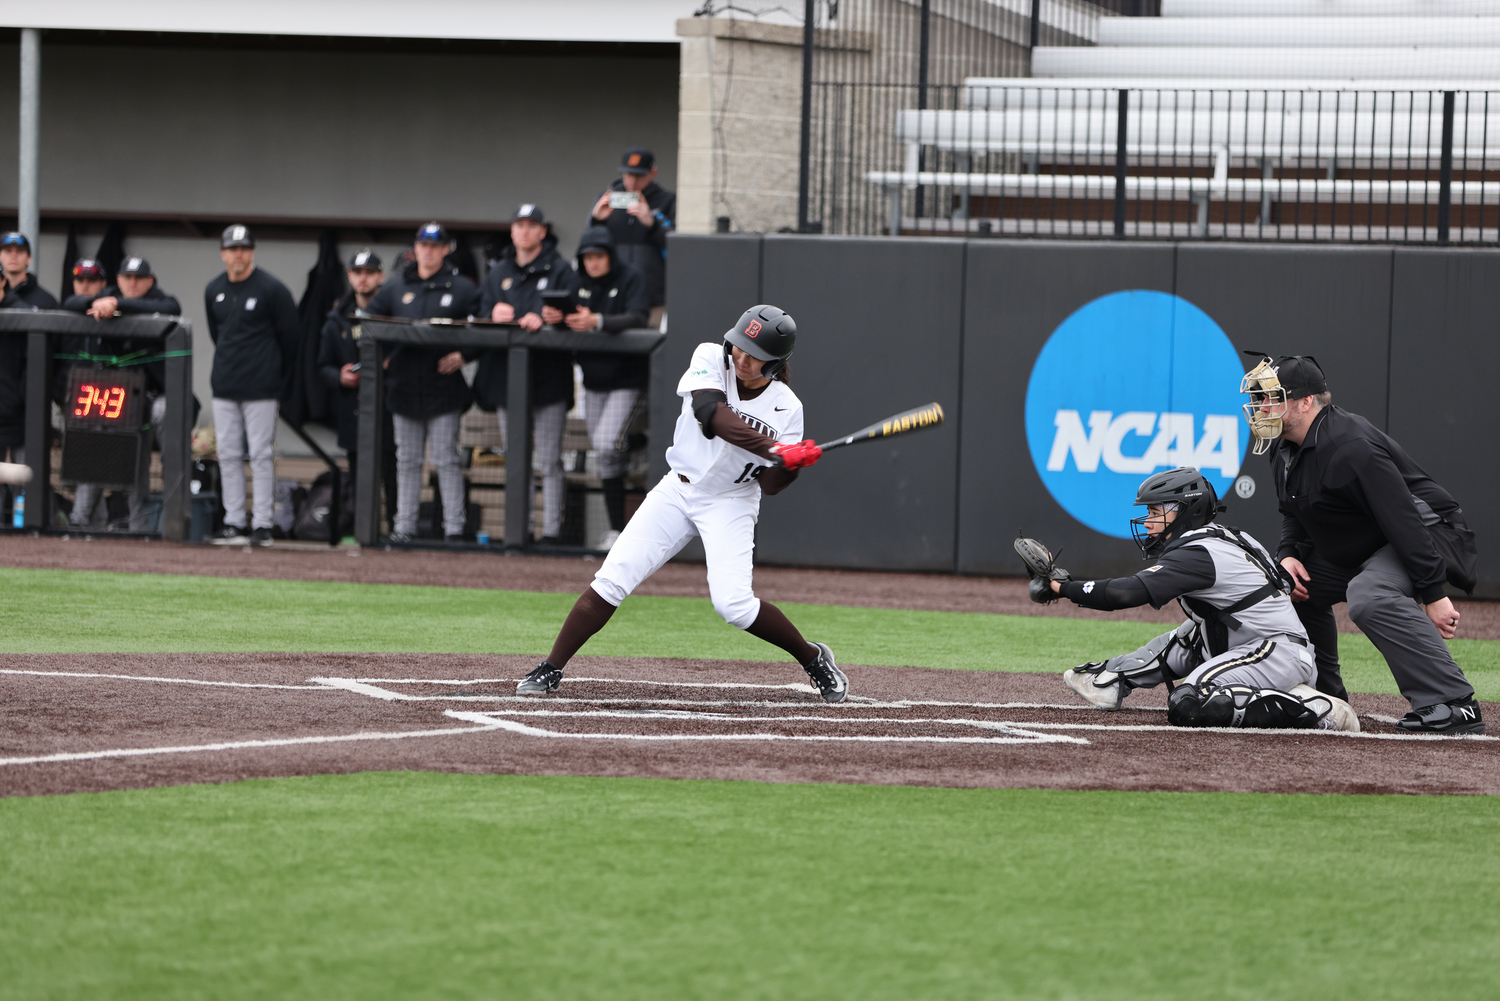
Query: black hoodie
{"type": "Point", "coordinates": [101, 350]}
{"type": "Point", "coordinates": [255, 330]}
{"type": "Point", "coordinates": [644, 249]}
{"type": "Point", "coordinates": [416, 389]}
{"type": "Point", "coordinates": [27, 295]}
{"type": "Point", "coordinates": [619, 297]}
{"type": "Point", "coordinates": [522, 286]}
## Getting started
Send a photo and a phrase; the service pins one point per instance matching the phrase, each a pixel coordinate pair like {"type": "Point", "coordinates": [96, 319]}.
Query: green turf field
{"type": "Point", "coordinates": [443, 886]}
{"type": "Point", "coordinates": [128, 613]}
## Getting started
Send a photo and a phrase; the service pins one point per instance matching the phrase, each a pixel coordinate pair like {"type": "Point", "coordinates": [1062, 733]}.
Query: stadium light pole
{"type": "Point", "coordinates": [27, 197]}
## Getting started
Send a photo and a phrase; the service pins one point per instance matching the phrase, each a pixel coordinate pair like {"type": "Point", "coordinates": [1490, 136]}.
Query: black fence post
{"type": "Point", "coordinates": [518, 488]}
{"type": "Point", "coordinates": [922, 73]}
{"type": "Point", "coordinates": [1122, 120]}
{"type": "Point", "coordinates": [39, 429]}
{"type": "Point", "coordinates": [175, 437]}
{"type": "Point", "coordinates": [371, 430]}
{"type": "Point", "coordinates": [1036, 23]}
{"type": "Point", "coordinates": [804, 152]}
{"type": "Point", "coordinates": [1445, 169]}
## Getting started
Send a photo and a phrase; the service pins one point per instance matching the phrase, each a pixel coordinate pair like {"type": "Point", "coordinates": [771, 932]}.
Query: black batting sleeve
{"type": "Point", "coordinates": [1179, 572]}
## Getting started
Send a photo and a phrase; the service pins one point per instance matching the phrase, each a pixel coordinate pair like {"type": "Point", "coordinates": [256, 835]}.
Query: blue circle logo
{"type": "Point", "coordinates": [1131, 383]}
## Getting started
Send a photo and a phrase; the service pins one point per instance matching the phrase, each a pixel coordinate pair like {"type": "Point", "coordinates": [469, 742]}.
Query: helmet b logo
{"type": "Point", "coordinates": [752, 329]}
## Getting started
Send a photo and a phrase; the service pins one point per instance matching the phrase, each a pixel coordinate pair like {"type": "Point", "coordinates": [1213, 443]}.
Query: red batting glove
{"type": "Point", "coordinates": [803, 453]}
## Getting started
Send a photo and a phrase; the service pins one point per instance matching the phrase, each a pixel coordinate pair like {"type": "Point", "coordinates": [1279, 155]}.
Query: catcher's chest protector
{"type": "Point", "coordinates": [1235, 577]}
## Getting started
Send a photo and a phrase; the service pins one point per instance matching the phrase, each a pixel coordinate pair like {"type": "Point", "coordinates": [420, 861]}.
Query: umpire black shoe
{"type": "Point", "coordinates": [1455, 717]}
{"type": "Point", "coordinates": [825, 674]}
{"type": "Point", "coordinates": [543, 678]}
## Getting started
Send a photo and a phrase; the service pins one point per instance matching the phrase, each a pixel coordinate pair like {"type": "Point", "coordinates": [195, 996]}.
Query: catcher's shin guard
{"type": "Point", "coordinates": [1240, 706]}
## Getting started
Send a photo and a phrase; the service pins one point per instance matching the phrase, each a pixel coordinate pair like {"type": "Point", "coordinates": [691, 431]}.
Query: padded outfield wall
{"type": "Point", "coordinates": [1068, 368]}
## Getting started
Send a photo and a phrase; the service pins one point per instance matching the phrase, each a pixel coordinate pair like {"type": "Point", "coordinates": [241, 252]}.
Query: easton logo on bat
{"type": "Point", "coordinates": [1131, 383]}
{"type": "Point", "coordinates": [925, 417]}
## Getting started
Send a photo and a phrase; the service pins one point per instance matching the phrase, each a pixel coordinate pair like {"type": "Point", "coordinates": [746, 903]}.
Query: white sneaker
{"type": "Point", "coordinates": [608, 540]}
{"type": "Point", "coordinates": [1340, 714]}
{"type": "Point", "coordinates": [1096, 686]}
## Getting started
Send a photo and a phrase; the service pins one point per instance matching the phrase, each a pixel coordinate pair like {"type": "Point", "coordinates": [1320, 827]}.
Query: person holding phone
{"type": "Point", "coordinates": [639, 214]}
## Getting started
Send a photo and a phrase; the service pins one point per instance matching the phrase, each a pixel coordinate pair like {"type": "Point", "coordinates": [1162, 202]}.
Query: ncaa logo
{"type": "Point", "coordinates": [753, 328]}
{"type": "Point", "coordinates": [1131, 383]}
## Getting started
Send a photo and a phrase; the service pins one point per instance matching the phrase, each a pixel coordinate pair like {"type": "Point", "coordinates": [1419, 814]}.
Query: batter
{"type": "Point", "coordinates": [739, 435]}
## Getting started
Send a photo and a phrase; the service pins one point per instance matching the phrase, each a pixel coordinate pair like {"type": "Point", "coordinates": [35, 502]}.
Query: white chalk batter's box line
{"type": "Point", "coordinates": [493, 720]}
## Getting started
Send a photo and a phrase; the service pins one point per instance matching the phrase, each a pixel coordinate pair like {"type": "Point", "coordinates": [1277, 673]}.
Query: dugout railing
{"type": "Point", "coordinates": [485, 334]}
{"type": "Point", "coordinates": [43, 330]}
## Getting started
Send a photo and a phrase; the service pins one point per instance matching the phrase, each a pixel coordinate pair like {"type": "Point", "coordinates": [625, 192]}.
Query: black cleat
{"type": "Point", "coordinates": [1458, 716]}
{"type": "Point", "coordinates": [232, 535]}
{"type": "Point", "coordinates": [825, 674]}
{"type": "Point", "coordinates": [543, 678]}
{"type": "Point", "coordinates": [261, 537]}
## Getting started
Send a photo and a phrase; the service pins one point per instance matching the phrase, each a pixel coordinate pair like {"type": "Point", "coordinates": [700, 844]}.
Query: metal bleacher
{"type": "Point", "coordinates": [1301, 123]}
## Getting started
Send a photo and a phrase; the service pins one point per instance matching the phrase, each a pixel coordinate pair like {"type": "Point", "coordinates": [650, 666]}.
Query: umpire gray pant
{"type": "Point", "coordinates": [412, 436]}
{"type": "Point", "coordinates": [1383, 603]}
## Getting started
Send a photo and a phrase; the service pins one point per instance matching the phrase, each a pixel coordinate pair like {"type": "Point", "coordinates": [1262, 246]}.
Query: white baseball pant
{"type": "Point", "coordinates": [241, 427]}
{"type": "Point", "coordinates": [672, 513]}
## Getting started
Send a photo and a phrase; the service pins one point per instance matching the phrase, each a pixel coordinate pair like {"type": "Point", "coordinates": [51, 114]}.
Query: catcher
{"type": "Point", "coordinates": [1242, 659]}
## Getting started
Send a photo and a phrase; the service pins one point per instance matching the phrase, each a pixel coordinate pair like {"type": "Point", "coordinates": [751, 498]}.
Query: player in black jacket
{"type": "Point", "coordinates": [252, 321]}
{"type": "Point", "coordinates": [640, 228]}
{"type": "Point", "coordinates": [1359, 519]}
{"type": "Point", "coordinates": [134, 293]}
{"type": "Point", "coordinates": [21, 292]}
{"type": "Point", "coordinates": [338, 365]}
{"type": "Point", "coordinates": [610, 297]}
{"type": "Point", "coordinates": [427, 393]}
{"type": "Point", "coordinates": [513, 292]}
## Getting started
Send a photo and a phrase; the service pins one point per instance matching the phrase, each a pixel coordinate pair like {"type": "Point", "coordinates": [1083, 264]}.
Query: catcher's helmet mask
{"type": "Point", "coordinates": [766, 333]}
{"type": "Point", "coordinates": [1271, 385]}
{"type": "Point", "coordinates": [1197, 504]}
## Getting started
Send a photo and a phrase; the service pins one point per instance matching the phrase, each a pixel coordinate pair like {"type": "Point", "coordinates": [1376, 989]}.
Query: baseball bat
{"type": "Point", "coordinates": [915, 419]}
{"type": "Point", "coordinates": [14, 472]}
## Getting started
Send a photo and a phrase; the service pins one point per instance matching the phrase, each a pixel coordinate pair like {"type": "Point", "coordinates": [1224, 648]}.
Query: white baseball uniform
{"type": "Point", "coordinates": [711, 492]}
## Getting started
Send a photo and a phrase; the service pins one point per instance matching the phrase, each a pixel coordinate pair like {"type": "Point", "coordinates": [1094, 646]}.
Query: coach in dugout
{"type": "Point", "coordinates": [427, 393]}
{"type": "Point", "coordinates": [21, 292]}
{"type": "Point", "coordinates": [513, 293]}
{"type": "Point", "coordinates": [639, 214]}
{"type": "Point", "coordinates": [134, 293]}
{"type": "Point", "coordinates": [338, 365]}
{"type": "Point", "coordinates": [1363, 523]}
{"type": "Point", "coordinates": [252, 320]}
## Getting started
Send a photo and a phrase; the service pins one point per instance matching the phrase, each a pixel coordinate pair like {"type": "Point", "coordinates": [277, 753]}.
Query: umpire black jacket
{"type": "Point", "coordinates": [619, 297]}
{"type": "Point", "coordinates": [1349, 490]}
{"type": "Point", "coordinates": [522, 286]}
{"type": "Point", "coordinates": [255, 330]}
{"type": "Point", "coordinates": [642, 248]}
{"type": "Point", "coordinates": [415, 388]}
{"type": "Point", "coordinates": [27, 295]}
{"type": "Point", "coordinates": [110, 352]}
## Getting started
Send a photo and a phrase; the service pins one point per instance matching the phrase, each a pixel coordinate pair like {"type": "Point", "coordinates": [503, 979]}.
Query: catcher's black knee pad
{"type": "Point", "coordinates": [1190, 705]}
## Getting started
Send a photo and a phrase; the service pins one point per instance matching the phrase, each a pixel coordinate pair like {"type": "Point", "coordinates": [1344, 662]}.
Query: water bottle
{"type": "Point", "coordinates": [18, 518]}
{"type": "Point", "coordinates": [484, 538]}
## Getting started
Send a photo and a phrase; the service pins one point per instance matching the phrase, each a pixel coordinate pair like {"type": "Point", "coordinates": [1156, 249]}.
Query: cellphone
{"type": "Point", "coordinates": [559, 299]}
{"type": "Point", "coordinates": [354, 367]}
{"type": "Point", "coordinates": [623, 199]}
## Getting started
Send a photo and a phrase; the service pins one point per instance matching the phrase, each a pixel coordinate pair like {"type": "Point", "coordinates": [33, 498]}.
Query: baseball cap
{"type": "Point", "coordinates": [529, 211]}
{"type": "Point", "coordinates": [87, 267]}
{"type": "Point", "coordinates": [14, 239]}
{"type": "Point", "coordinates": [637, 160]}
{"type": "Point", "coordinates": [433, 232]}
{"type": "Point", "coordinates": [136, 266]}
{"type": "Point", "coordinates": [1299, 375]}
{"type": "Point", "coordinates": [367, 259]}
{"type": "Point", "coordinates": [597, 238]}
{"type": "Point", "coordinates": [236, 236]}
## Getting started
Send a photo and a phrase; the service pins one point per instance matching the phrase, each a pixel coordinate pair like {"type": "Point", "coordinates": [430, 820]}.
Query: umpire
{"type": "Point", "coordinates": [1363, 523]}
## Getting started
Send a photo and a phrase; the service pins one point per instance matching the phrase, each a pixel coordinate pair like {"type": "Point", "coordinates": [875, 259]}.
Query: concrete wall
{"type": "Point", "coordinates": [1410, 338]}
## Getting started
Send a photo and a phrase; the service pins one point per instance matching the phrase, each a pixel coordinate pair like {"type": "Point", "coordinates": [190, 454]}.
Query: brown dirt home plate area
{"type": "Point", "coordinates": [70, 723]}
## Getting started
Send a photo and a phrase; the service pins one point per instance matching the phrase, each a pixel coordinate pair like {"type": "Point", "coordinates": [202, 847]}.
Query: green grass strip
{"type": "Point", "coordinates": [420, 886]}
{"type": "Point", "coordinates": [69, 611]}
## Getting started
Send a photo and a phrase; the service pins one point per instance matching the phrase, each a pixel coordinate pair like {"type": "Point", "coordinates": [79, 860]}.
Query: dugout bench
{"type": "Point", "coordinates": [465, 334]}
{"type": "Point", "coordinates": [174, 334]}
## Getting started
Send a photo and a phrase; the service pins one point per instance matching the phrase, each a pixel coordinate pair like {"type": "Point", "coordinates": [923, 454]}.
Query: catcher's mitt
{"type": "Point", "coordinates": [1038, 560]}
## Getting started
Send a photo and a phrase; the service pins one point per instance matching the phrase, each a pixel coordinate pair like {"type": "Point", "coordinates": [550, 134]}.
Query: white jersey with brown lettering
{"type": "Point", "coordinates": [712, 463]}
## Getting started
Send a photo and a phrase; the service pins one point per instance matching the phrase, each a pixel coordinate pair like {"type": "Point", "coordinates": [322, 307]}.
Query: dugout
{"type": "Point", "coordinates": [101, 451]}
